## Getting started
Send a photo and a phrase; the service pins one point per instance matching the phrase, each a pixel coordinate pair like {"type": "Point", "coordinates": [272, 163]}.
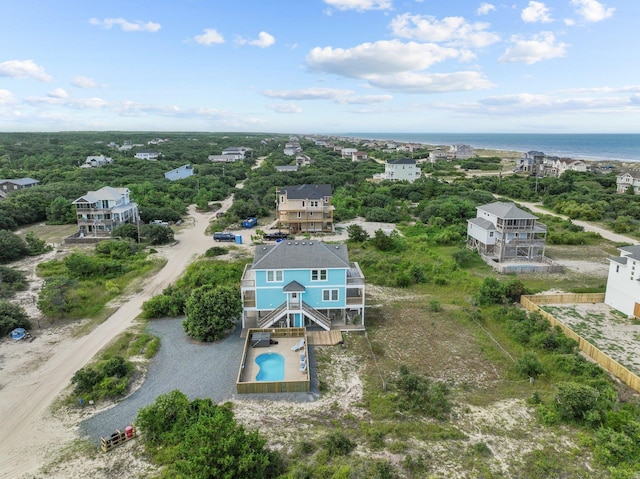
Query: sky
{"type": "Point", "coordinates": [321, 66]}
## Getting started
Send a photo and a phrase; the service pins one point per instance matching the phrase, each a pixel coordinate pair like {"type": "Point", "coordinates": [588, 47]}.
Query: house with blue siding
{"type": "Point", "coordinates": [301, 284]}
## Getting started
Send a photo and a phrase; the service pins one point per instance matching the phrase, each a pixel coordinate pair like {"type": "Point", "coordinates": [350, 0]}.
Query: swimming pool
{"type": "Point", "coordinates": [271, 367]}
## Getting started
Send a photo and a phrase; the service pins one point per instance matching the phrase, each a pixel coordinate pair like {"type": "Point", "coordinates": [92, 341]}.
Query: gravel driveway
{"type": "Point", "coordinates": [199, 370]}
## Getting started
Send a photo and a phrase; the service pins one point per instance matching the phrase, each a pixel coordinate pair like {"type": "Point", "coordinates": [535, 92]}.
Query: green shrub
{"type": "Point", "coordinates": [529, 366]}
{"type": "Point", "coordinates": [12, 316]}
{"type": "Point", "coordinates": [338, 444]}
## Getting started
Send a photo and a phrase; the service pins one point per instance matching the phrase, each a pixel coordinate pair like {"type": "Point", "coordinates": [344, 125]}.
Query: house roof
{"type": "Point", "coordinates": [402, 161]}
{"type": "Point", "coordinates": [294, 287]}
{"type": "Point", "coordinates": [632, 251]}
{"type": "Point", "coordinates": [482, 223]}
{"type": "Point", "coordinates": [21, 181]}
{"type": "Point", "coordinates": [287, 168]}
{"type": "Point", "coordinates": [506, 211]}
{"type": "Point", "coordinates": [619, 259]}
{"type": "Point", "coordinates": [104, 193]}
{"type": "Point", "coordinates": [301, 255]}
{"type": "Point", "coordinates": [305, 192]}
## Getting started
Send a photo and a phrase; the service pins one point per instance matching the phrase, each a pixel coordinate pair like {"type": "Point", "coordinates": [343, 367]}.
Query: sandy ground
{"type": "Point", "coordinates": [33, 374]}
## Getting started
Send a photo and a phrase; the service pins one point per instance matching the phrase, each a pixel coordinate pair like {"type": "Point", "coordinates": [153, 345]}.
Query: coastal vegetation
{"type": "Point", "coordinates": [443, 339]}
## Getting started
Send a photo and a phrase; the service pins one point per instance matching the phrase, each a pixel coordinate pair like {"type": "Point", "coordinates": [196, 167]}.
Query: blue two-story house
{"type": "Point", "coordinates": [302, 283]}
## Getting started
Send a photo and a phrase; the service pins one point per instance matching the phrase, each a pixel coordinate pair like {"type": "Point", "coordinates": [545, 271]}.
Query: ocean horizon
{"type": "Point", "coordinates": [593, 147]}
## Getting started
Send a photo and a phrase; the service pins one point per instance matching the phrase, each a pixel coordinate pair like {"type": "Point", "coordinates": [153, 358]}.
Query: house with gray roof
{"type": "Point", "coordinates": [100, 211]}
{"type": "Point", "coordinates": [180, 173]}
{"type": "Point", "coordinates": [502, 233]}
{"type": "Point", "coordinates": [401, 169]}
{"type": "Point", "coordinates": [623, 281]}
{"type": "Point", "coordinates": [305, 208]}
{"type": "Point", "coordinates": [300, 284]}
{"type": "Point", "coordinates": [16, 184]}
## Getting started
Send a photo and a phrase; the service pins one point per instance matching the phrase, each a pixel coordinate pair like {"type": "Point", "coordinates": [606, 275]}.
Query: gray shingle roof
{"type": "Point", "coordinates": [482, 223]}
{"type": "Point", "coordinates": [306, 192]}
{"type": "Point", "coordinates": [294, 287]}
{"type": "Point", "coordinates": [301, 255]}
{"type": "Point", "coordinates": [633, 251]}
{"type": "Point", "coordinates": [506, 211]}
{"type": "Point", "coordinates": [402, 161]}
{"type": "Point", "coordinates": [21, 181]}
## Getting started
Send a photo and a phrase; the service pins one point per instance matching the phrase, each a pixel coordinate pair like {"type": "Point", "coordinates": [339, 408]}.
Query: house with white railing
{"type": "Point", "coordinates": [303, 283]}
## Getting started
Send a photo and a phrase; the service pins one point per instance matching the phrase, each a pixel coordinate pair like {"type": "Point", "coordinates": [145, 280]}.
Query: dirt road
{"type": "Point", "coordinates": [29, 433]}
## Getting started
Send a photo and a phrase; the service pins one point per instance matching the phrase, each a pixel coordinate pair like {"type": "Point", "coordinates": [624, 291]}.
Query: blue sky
{"type": "Point", "coordinates": [321, 66]}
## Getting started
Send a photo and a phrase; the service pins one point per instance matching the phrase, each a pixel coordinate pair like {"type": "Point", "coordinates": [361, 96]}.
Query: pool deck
{"type": "Point", "coordinates": [291, 360]}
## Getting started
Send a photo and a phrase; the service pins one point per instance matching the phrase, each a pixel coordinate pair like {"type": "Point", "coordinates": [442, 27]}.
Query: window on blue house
{"type": "Point", "coordinates": [318, 275]}
{"type": "Point", "coordinates": [329, 295]}
{"type": "Point", "coordinates": [274, 275]}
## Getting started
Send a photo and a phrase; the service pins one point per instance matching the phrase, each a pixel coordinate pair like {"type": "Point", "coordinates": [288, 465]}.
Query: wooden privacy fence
{"type": "Point", "coordinates": [531, 302]}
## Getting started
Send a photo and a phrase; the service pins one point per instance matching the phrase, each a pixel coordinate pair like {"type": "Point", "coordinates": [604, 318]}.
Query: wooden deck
{"type": "Point", "coordinates": [324, 338]}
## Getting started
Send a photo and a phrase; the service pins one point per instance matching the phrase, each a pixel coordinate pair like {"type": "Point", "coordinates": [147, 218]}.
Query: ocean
{"type": "Point", "coordinates": [595, 147]}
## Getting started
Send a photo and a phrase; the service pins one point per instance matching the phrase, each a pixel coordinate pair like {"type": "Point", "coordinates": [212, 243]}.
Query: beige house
{"type": "Point", "coordinates": [16, 184]}
{"type": "Point", "coordinates": [305, 209]}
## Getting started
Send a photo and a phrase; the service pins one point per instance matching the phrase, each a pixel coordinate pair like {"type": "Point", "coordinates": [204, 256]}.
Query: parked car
{"type": "Point", "coordinates": [276, 235]}
{"type": "Point", "coordinates": [250, 222]}
{"type": "Point", "coordinates": [220, 236]}
{"type": "Point", "coordinates": [159, 222]}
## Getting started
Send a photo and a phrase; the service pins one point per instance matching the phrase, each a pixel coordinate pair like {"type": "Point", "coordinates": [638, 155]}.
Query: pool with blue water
{"type": "Point", "coordinates": [271, 367]}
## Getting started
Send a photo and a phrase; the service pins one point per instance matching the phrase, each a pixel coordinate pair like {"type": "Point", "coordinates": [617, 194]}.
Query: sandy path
{"type": "Point", "coordinates": [28, 432]}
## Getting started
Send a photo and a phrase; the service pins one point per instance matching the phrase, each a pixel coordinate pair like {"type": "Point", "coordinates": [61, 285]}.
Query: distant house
{"type": "Point", "coordinates": [359, 156]}
{"type": "Point", "coordinates": [305, 208]}
{"type": "Point", "coordinates": [16, 184]}
{"type": "Point", "coordinates": [303, 160]}
{"type": "Point", "coordinates": [99, 212]}
{"type": "Point", "coordinates": [286, 168]}
{"type": "Point", "coordinates": [623, 281]}
{"type": "Point", "coordinates": [96, 161]}
{"type": "Point", "coordinates": [439, 155]}
{"type": "Point", "coordinates": [501, 232]}
{"type": "Point", "coordinates": [562, 165]}
{"type": "Point", "coordinates": [303, 283]}
{"type": "Point", "coordinates": [348, 152]}
{"type": "Point", "coordinates": [402, 169]}
{"type": "Point", "coordinates": [180, 173]}
{"type": "Point", "coordinates": [224, 158]}
{"type": "Point", "coordinates": [462, 152]}
{"type": "Point", "coordinates": [241, 151]}
{"type": "Point", "coordinates": [147, 155]}
{"type": "Point", "coordinates": [292, 148]}
{"type": "Point", "coordinates": [627, 179]}
{"type": "Point", "coordinates": [530, 162]}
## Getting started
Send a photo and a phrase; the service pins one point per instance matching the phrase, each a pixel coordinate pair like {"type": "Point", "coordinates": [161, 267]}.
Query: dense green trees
{"type": "Point", "coordinates": [12, 247]}
{"type": "Point", "coordinates": [211, 312]}
{"type": "Point", "coordinates": [201, 440]}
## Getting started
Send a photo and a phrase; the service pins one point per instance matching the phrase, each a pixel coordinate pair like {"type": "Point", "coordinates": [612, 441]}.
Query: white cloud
{"type": "Point", "coordinates": [6, 98]}
{"type": "Point", "coordinates": [408, 82]}
{"type": "Point", "coordinates": [540, 47]}
{"type": "Point", "coordinates": [379, 58]}
{"type": "Point", "coordinates": [58, 93]}
{"type": "Point", "coordinates": [24, 69]}
{"type": "Point", "coordinates": [285, 108]}
{"type": "Point", "coordinates": [209, 37]}
{"type": "Point", "coordinates": [485, 9]}
{"type": "Point", "coordinates": [592, 10]}
{"type": "Point", "coordinates": [449, 30]}
{"type": "Point", "coordinates": [264, 40]}
{"type": "Point", "coordinates": [364, 99]}
{"type": "Point", "coordinates": [608, 89]}
{"type": "Point", "coordinates": [83, 82]}
{"type": "Point", "coordinates": [360, 5]}
{"type": "Point", "coordinates": [125, 25]}
{"type": "Point", "coordinates": [536, 12]}
{"type": "Point", "coordinates": [309, 94]}
{"type": "Point", "coordinates": [508, 104]}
